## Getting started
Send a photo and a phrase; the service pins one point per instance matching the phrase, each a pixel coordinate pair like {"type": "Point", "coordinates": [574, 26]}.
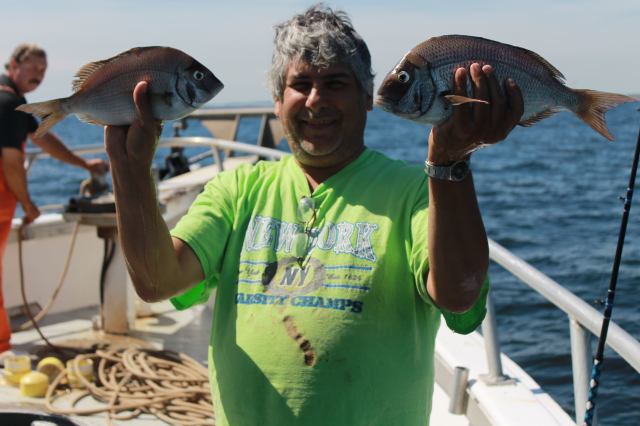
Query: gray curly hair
{"type": "Point", "coordinates": [320, 36]}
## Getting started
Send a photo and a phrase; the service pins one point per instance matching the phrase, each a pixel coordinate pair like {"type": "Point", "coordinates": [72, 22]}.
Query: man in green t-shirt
{"type": "Point", "coordinates": [333, 265]}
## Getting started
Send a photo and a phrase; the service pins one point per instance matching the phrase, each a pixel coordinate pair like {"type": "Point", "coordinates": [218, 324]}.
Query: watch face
{"type": "Point", "coordinates": [459, 170]}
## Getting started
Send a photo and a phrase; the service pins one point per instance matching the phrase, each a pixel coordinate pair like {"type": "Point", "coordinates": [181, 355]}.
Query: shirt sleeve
{"type": "Point", "coordinates": [206, 228]}
{"type": "Point", "coordinates": [10, 123]}
{"type": "Point", "coordinates": [464, 322]}
{"type": "Point", "coordinates": [32, 125]}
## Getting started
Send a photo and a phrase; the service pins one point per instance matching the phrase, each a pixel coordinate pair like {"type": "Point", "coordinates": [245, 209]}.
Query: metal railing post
{"type": "Point", "coordinates": [218, 158]}
{"type": "Point", "coordinates": [581, 359]}
{"type": "Point", "coordinates": [492, 347]}
{"type": "Point", "coordinates": [459, 399]}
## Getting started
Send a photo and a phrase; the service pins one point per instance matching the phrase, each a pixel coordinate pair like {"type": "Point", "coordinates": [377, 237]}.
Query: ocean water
{"type": "Point", "coordinates": [549, 193]}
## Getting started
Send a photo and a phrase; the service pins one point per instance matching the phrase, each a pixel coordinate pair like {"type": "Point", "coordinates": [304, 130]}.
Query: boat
{"type": "Point", "coordinates": [74, 254]}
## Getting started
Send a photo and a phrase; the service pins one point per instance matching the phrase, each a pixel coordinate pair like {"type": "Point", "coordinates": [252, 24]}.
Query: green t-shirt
{"type": "Point", "coordinates": [338, 332]}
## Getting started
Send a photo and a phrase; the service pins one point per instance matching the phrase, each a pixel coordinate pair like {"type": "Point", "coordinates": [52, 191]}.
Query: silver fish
{"type": "Point", "coordinates": [420, 86]}
{"type": "Point", "coordinates": [178, 85]}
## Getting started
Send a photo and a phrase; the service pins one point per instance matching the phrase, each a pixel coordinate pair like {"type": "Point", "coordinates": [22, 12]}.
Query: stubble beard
{"type": "Point", "coordinates": [312, 150]}
{"type": "Point", "coordinates": [302, 147]}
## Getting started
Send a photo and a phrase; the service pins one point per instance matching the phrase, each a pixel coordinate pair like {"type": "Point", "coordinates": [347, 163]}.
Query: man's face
{"type": "Point", "coordinates": [28, 74]}
{"type": "Point", "coordinates": [323, 111]}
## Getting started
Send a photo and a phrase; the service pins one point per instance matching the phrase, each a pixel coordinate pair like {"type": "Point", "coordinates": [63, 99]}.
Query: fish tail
{"type": "Point", "coordinates": [50, 112]}
{"type": "Point", "coordinates": [593, 105]}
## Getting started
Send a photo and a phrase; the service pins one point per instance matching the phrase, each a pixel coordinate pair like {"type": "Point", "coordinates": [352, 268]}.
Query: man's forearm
{"type": "Point", "coordinates": [458, 249]}
{"type": "Point", "coordinates": [144, 236]}
{"type": "Point", "coordinates": [53, 146]}
{"type": "Point", "coordinates": [159, 266]}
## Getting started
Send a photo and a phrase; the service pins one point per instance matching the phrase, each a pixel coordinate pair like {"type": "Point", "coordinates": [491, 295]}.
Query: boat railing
{"type": "Point", "coordinates": [222, 123]}
{"type": "Point", "coordinates": [217, 149]}
{"type": "Point", "coordinates": [216, 145]}
{"type": "Point", "coordinates": [584, 322]}
{"type": "Point", "coordinates": [225, 123]}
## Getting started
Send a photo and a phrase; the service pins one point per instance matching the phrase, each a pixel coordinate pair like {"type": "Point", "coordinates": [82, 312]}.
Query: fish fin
{"type": "Point", "coordinates": [88, 69]}
{"type": "Point", "coordinates": [456, 100]}
{"type": "Point", "coordinates": [555, 72]}
{"type": "Point", "coordinates": [50, 112]}
{"type": "Point", "coordinates": [539, 116]}
{"type": "Point", "coordinates": [457, 39]}
{"type": "Point", "coordinates": [593, 105]}
{"type": "Point", "coordinates": [89, 120]}
{"type": "Point", "coordinates": [85, 72]}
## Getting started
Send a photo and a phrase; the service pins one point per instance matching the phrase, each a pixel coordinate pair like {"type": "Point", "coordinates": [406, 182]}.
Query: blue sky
{"type": "Point", "coordinates": [595, 44]}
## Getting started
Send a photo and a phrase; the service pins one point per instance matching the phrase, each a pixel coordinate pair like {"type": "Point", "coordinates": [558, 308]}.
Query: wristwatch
{"type": "Point", "coordinates": [453, 172]}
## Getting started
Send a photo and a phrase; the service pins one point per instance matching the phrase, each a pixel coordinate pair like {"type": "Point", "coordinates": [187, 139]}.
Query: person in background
{"type": "Point", "coordinates": [24, 73]}
{"type": "Point", "coordinates": [334, 265]}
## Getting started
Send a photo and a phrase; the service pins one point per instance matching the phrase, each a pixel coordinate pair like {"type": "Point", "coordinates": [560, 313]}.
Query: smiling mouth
{"type": "Point", "coordinates": [319, 121]}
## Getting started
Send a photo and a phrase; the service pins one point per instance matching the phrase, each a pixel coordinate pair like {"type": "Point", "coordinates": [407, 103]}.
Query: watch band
{"type": "Point", "coordinates": [454, 172]}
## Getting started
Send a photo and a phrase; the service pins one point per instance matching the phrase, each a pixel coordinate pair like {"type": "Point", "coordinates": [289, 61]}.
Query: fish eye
{"type": "Point", "coordinates": [403, 77]}
{"type": "Point", "coordinates": [198, 75]}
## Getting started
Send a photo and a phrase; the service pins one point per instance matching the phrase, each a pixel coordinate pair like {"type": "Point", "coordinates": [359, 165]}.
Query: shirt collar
{"type": "Point", "coordinates": [6, 81]}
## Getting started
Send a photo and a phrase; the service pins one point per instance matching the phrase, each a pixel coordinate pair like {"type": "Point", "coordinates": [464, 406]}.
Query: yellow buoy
{"type": "Point", "coordinates": [34, 384]}
{"type": "Point", "coordinates": [51, 366]}
{"type": "Point", "coordinates": [15, 367]}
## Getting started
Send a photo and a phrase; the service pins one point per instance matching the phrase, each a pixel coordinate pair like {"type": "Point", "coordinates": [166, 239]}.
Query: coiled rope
{"type": "Point", "coordinates": [130, 382]}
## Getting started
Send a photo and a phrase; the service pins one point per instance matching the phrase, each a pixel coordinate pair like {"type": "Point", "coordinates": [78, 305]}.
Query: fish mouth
{"type": "Point", "coordinates": [383, 103]}
{"type": "Point", "coordinates": [216, 86]}
{"type": "Point", "coordinates": [389, 106]}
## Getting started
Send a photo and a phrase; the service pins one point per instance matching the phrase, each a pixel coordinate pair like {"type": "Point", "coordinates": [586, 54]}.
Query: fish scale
{"type": "Point", "coordinates": [106, 106]}
{"type": "Point", "coordinates": [420, 86]}
{"type": "Point", "coordinates": [452, 52]}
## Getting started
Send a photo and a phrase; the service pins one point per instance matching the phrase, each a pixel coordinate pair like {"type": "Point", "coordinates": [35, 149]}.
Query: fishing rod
{"type": "Point", "coordinates": [611, 293]}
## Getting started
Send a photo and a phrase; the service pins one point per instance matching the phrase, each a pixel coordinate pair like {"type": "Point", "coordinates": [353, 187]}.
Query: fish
{"type": "Point", "coordinates": [102, 90]}
{"type": "Point", "coordinates": [420, 86]}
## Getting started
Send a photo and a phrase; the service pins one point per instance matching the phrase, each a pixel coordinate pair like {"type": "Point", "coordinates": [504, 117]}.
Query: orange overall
{"type": "Point", "coordinates": [14, 128]}
{"type": "Point", "coordinates": [7, 208]}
